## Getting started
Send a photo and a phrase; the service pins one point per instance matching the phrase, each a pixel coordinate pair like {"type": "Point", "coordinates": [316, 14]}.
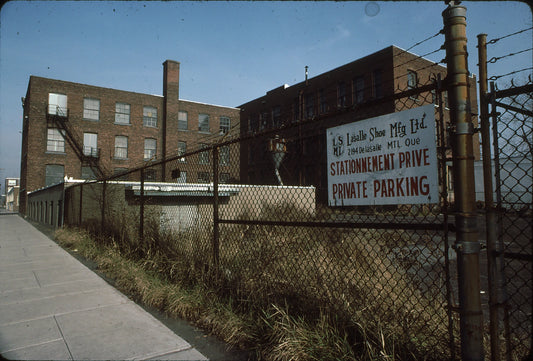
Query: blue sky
{"type": "Point", "coordinates": [230, 52]}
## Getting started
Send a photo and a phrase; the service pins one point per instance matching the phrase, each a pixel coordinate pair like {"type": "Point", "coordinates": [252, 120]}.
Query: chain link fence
{"type": "Point", "coordinates": [386, 272]}
{"type": "Point", "coordinates": [512, 127]}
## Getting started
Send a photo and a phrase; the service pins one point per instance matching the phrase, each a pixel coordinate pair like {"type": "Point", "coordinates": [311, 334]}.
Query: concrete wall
{"type": "Point", "coordinates": [182, 212]}
{"type": "Point", "coordinates": [47, 205]}
{"type": "Point", "coordinates": [12, 199]}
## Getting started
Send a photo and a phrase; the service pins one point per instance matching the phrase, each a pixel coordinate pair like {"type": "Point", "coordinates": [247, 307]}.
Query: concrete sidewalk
{"type": "Point", "coordinates": [53, 307]}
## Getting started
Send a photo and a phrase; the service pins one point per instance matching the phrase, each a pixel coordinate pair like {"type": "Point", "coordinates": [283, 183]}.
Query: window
{"type": "Point", "coordinates": [377, 90]}
{"type": "Point", "coordinates": [309, 105]}
{"type": "Point", "coordinates": [276, 116]}
{"type": "Point", "coordinates": [412, 82]}
{"type": "Point", "coordinates": [359, 89]}
{"type": "Point", "coordinates": [434, 97]}
{"type": "Point", "coordinates": [150, 146]}
{"type": "Point", "coordinates": [224, 155]}
{"type": "Point", "coordinates": [54, 174]}
{"type": "Point", "coordinates": [182, 149]}
{"type": "Point", "coordinates": [296, 109]}
{"type": "Point", "coordinates": [182, 121]}
{"type": "Point", "coordinates": [203, 177]}
{"type": "Point", "coordinates": [123, 177]}
{"type": "Point", "coordinates": [223, 178]}
{"type": "Point", "coordinates": [91, 109]}
{"type": "Point", "coordinates": [322, 100]}
{"type": "Point", "coordinates": [90, 144]}
{"type": "Point", "coordinates": [150, 175]}
{"type": "Point", "coordinates": [122, 113]}
{"type": "Point", "coordinates": [121, 147]}
{"type": "Point", "coordinates": [182, 178]}
{"type": "Point", "coordinates": [224, 125]}
{"type": "Point", "coordinates": [263, 120]}
{"type": "Point", "coordinates": [203, 157]}
{"type": "Point", "coordinates": [412, 79]}
{"type": "Point", "coordinates": [254, 122]}
{"type": "Point", "coordinates": [87, 173]}
{"type": "Point", "coordinates": [57, 104]}
{"type": "Point", "coordinates": [150, 117]}
{"type": "Point", "coordinates": [341, 94]}
{"type": "Point", "coordinates": [55, 141]}
{"type": "Point", "coordinates": [203, 122]}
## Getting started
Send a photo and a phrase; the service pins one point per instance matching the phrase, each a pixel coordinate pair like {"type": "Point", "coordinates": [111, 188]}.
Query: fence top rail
{"type": "Point", "coordinates": [183, 186]}
{"type": "Point", "coordinates": [504, 93]}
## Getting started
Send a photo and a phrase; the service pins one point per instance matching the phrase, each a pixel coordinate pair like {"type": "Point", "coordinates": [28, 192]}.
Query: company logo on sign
{"type": "Point", "coordinates": [338, 145]}
{"type": "Point", "coordinates": [389, 159]}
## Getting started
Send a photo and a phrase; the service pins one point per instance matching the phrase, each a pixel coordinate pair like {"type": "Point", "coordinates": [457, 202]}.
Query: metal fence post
{"type": "Point", "coordinates": [141, 210]}
{"type": "Point", "coordinates": [490, 212]}
{"type": "Point", "coordinates": [467, 245]}
{"type": "Point", "coordinates": [102, 225]}
{"type": "Point", "coordinates": [216, 234]}
{"type": "Point", "coordinates": [81, 205]}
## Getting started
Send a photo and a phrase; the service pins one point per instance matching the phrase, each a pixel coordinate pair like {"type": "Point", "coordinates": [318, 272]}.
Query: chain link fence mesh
{"type": "Point", "coordinates": [513, 149]}
{"type": "Point", "coordinates": [385, 271]}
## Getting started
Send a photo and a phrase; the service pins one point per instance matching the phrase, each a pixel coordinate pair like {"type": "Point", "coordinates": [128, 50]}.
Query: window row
{"type": "Point", "coordinates": [203, 157]}
{"type": "Point", "coordinates": [319, 102]}
{"type": "Point", "coordinates": [57, 105]}
{"type": "Point", "coordinates": [91, 111]}
{"type": "Point", "coordinates": [56, 144]}
{"type": "Point", "coordinates": [203, 123]}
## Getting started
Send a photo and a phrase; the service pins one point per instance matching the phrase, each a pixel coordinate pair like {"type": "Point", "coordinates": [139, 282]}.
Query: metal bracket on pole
{"type": "Point", "coordinates": [464, 128]}
{"type": "Point", "coordinates": [467, 247]}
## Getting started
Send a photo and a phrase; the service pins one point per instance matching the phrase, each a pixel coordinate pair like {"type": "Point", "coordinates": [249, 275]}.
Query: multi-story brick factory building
{"type": "Point", "coordinates": [86, 132]}
{"type": "Point", "coordinates": [365, 88]}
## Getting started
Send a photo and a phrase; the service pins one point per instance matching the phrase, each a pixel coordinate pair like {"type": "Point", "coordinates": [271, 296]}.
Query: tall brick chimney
{"type": "Point", "coordinates": [171, 91]}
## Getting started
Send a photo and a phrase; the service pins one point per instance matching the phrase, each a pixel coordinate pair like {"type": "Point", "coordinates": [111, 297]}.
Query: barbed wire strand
{"type": "Point", "coordinates": [494, 59]}
{"type": "Point", "coordinates": [441, 31]}
{"type": "Point", "coordinates": [496, 77]}
{"type": "Point", "coordinates": [492, 41]}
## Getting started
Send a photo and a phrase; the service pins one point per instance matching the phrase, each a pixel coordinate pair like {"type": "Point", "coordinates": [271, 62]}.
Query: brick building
{"type": "Point", "coordinates": [362, 89]}
{"type": "Point", "coordinates": [86, 132]}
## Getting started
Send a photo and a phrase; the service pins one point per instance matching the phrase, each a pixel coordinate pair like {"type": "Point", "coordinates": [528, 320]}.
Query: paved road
{"type": "Point", "coordinates": [53, 307]}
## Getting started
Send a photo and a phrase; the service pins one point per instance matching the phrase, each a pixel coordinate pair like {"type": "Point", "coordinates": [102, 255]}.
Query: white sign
{"type": "Point", "coordinates": [11, 182]}
{"type": "Point", "coordinates": [390, 159]}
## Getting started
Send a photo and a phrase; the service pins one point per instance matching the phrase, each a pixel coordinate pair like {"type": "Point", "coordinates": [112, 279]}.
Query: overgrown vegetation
{"type": "Point", "coordinates": [286, 293]}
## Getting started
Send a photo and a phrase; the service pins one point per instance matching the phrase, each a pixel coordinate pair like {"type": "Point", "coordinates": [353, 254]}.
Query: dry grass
{"type": "Point", "coordinates": [289, 293]}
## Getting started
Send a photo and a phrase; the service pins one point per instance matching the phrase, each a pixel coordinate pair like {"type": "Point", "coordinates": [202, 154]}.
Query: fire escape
{"type": "Point", "coordinates": [88, 156]}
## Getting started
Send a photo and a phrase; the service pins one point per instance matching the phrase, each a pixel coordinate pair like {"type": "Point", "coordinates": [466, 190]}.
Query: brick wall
{"type": "Point", "coordinates": [34, 153]}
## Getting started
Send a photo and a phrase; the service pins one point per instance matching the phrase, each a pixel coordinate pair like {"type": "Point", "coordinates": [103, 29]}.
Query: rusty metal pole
{"type": "Point", "coordinates": [141, 209]}
{"type": "Point", "coordinates": [467, 245]}
{"type": "Point", "coordinates": [216, 234]}
{"type": "Point", "coordinates": [102, 225]}
{"type": "Point", "coordinates": [491, 222]}
{"type": "Point", "coordinates": [80, 206]}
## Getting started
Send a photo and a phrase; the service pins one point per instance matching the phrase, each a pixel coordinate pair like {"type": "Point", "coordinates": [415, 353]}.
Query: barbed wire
{"type": "Point", "coordinates": [496, 77]}
{"type": "Point", "coordinates": [494, 59]}
{"type": "Point", "coordinates": [419, 57]}
{"type": "Point", "coordinates": [441, 31]}
{"type": "Point", "coordinates": [493, 41]}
